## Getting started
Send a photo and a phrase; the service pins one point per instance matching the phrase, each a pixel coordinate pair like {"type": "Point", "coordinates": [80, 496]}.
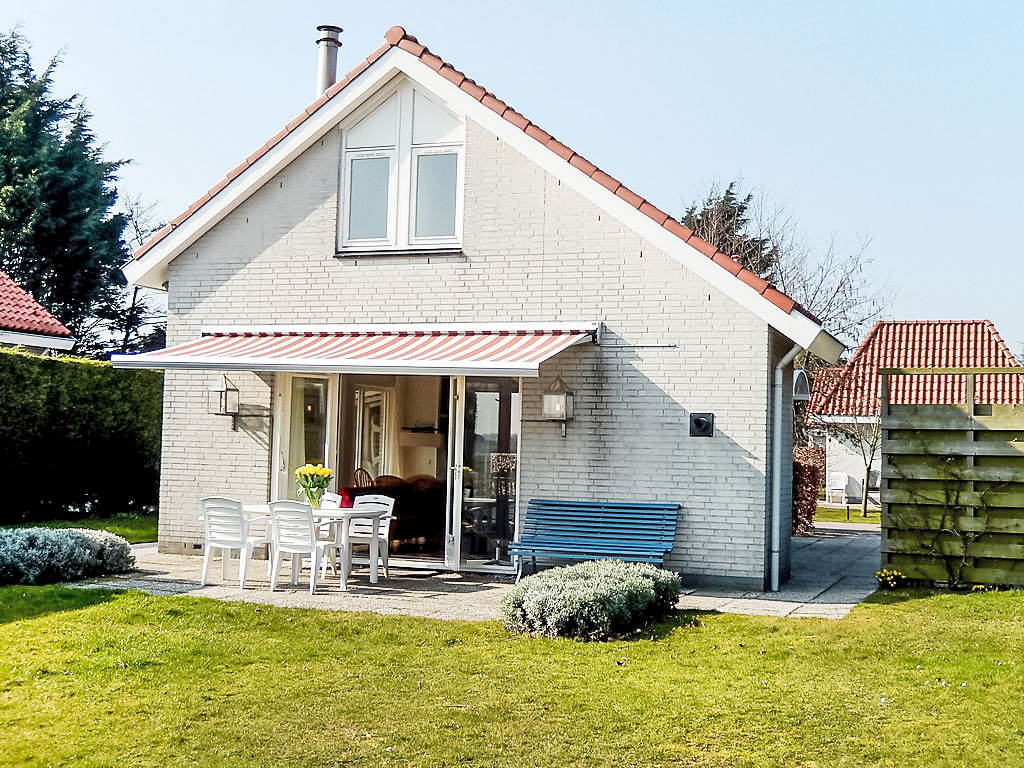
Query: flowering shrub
{"type": "Point", "coordinates": [313, 481]}
{"type": "Point", "coordinates": [43, 555]}
{"type": "Point", "coordinates": [889, 578]}
{"type": "Point", "coordinates": [590, 600]}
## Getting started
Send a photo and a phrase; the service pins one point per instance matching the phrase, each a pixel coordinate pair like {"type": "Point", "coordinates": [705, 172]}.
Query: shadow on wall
{"type": "Point", "coordinates": [630, 441]}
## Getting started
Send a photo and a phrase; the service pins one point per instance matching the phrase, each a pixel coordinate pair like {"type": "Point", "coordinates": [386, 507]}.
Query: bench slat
{"type": "Point", "coordinates": [585, 530]}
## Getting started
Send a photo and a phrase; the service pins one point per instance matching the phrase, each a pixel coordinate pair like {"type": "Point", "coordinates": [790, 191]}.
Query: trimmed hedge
{"type": "Point", "coordinates": [46, 555]}
{"type": "Point", "coordinates": [77, 437]}
{"type": "Point", "coordinates": [808, 479]}
{"type": "Point", "coordinates": [591, 600]}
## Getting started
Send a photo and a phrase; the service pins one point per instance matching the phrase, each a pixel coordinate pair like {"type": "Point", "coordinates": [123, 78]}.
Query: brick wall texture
{"type": "Point", "coordinates": [534, 251]}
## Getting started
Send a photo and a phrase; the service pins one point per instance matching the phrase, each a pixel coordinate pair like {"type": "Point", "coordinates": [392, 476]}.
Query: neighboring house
{"type": "Point", "coordinates": [849, 396]}
{"type": "Point", "coordinates": [402, 277]}
{"type": "Point", "coordinates": [24, 323]}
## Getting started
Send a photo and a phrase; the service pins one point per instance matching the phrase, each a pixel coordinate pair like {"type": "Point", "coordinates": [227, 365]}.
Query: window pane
{"type": "Point", "coordinates": [435, 195]}
{"type": "Point", "coordinates": [368, 198]}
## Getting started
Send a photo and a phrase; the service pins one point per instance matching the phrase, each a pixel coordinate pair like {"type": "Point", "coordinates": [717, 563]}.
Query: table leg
{"type": "Point", "coordinates": [346, 550]}
{"type": "Point", "coordinates": [374, 550]}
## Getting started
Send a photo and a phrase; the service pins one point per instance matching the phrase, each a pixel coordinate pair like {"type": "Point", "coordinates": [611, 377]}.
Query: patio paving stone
{"type": "Point", "coordinates": [832, 571]}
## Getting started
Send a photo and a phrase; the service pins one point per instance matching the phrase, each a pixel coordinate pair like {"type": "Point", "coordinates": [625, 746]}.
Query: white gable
{"type": "Point", "coordinates": [432, 124]}
{"type": "Point", "coordinates": [378, 129]}
{"type": "Point", "coordinates": [151, 269]}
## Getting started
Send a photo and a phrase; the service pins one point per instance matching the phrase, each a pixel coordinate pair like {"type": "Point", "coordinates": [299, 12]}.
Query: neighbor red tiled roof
{"type": "Point", "coordinates": [855, 389]}
{"type": "Point", "coordinates": [396, 37]}
{"type": "Point", "coordinates": [21, 313]}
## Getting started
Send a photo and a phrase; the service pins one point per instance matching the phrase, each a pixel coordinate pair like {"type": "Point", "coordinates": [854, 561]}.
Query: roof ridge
{"type": "Point", "coordinates": [397, 37]}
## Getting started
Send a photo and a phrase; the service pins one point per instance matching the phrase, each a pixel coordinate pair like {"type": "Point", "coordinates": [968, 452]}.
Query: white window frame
{"type": "Point", "coordinates": [402, 178]}
{"type": "Point", "coordinates": [392, 214]}
{"type": "Point", "coordinates": [436, 149]}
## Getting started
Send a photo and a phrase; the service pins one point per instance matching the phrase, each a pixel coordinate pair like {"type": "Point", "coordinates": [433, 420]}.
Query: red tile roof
{"type": "Point", "coordinates": [397, 37]}
{"type": "Point", "coordinates": [855, 389]}
{"type": "Point", "coordinates": [20, 313]}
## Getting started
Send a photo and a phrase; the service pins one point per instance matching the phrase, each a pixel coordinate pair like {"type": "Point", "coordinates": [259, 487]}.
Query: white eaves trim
{"type": "Point", "coordinates": [845, 419]}
{"type": "Point", "coordinates": [151, 269]}
{"type": "Point", "coordinates": [18, 339]}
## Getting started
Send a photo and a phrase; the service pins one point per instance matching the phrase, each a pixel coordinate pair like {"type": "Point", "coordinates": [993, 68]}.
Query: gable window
{"type": "Point", "coordinates": [401, 180]}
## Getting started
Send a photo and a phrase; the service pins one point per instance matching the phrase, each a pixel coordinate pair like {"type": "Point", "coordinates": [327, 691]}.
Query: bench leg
{"type": "Point", "coordinates": [519, 568]}
{"type": "Point", "coordinates": [534, 564]}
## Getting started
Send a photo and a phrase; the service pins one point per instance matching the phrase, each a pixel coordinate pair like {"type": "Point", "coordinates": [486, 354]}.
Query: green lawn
{"type": "Point", "coordinates": [134, 528]}
{"type": "Point", "coordinates": [97, 678]}
{"type": "Point", "coordinates": [830, 515]}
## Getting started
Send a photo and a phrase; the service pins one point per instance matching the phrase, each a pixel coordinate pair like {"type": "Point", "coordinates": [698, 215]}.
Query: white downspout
{"type": "Point", "coordinates": [777, 428]}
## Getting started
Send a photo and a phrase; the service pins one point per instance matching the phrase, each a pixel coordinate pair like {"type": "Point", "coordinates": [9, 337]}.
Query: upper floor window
{"type": "Point", "coordinates": [401, 176]}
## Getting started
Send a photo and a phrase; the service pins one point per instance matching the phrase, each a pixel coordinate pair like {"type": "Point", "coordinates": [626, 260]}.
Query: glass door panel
{"type": "Point", "coordinates": [308, 429]}
{"type": "Point", "coordinates": [490, 449]}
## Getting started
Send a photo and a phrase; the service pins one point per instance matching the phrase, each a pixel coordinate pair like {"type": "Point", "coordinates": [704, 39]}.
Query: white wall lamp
{"type": "Point", "coordinates": [558, 403]}
{"type": "Point", "coordinates": [223, 399]}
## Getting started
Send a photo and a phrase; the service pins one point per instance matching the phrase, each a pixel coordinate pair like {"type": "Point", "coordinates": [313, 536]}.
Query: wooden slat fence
{"type": "Point", "coordinates": [953, 485]}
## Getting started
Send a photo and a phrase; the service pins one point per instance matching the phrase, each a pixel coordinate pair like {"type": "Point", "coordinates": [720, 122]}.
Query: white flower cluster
{"type": "Point", "coordinates": [45, 555]}
{"type": "Point", "coordinates": [590, 600]}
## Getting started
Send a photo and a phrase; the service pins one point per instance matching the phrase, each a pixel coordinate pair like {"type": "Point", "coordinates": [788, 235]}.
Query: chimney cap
{"type": "Point", "coordinates": [330, 35]}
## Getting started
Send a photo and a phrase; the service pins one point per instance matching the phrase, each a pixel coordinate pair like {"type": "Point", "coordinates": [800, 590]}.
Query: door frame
{"type": "Point", "coordinates": [280, 474]}
{"type": "Point", "coordinates": [453, 508]}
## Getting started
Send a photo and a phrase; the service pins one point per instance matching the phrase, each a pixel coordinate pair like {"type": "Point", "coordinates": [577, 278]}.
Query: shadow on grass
{"type": "Point", "coordinates": [19, 601]}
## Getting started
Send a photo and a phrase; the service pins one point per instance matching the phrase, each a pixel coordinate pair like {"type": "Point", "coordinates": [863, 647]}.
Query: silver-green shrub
{"type": "Point", "coordinates": [45, 555]}
{"type": "Point", "coordinates": [590, 600]}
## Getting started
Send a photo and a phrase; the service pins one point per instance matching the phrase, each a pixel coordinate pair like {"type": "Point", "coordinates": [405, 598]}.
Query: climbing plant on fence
{"type": "Point", "coordinates": [76, 437]}
{"type": "Point", "coordinates": [953, 487]}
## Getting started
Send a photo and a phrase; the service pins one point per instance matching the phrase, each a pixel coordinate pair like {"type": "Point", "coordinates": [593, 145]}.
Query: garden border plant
{"type": "Point", "coordinates": [46, 555]}
{"type": "Point", "coordinates": [592, 600]}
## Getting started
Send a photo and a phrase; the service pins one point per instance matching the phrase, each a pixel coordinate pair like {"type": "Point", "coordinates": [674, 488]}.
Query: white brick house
{"type": "Point", "coordinates": [407, 200]}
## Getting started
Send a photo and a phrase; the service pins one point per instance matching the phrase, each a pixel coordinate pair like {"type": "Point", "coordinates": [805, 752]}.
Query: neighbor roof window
{"type": "Point", "coordinates": [401, 184]}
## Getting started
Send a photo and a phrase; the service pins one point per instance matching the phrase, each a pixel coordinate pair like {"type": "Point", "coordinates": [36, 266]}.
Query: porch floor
{"type": "Point", "coordinates": [832, 572]}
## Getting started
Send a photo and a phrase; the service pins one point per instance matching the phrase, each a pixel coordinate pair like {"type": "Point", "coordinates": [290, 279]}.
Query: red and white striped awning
{"type": "Point", "coordinates": [455, 350]}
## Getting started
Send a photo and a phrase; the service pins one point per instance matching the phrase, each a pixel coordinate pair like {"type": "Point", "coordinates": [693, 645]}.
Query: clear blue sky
{"type": "Point", "coordinates": [897, 121]}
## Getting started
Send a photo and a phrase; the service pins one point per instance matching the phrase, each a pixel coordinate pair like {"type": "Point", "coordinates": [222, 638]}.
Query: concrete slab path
{"type": "Point", "coordinates": [832, 571]}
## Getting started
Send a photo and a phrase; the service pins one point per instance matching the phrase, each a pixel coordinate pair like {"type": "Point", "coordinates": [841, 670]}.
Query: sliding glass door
{"type": "Point", "coordinates": [483, 443]}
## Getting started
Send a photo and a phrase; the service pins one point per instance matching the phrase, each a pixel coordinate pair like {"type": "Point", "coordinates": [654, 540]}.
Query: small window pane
{"type": "Point", "coordinates": [368, 198]}
{"type": "Point", "coordinates": [435, 195]}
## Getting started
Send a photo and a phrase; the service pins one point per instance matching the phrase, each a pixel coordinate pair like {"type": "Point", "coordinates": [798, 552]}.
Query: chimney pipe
{"type": "Point", "coordinates": [328, 43]}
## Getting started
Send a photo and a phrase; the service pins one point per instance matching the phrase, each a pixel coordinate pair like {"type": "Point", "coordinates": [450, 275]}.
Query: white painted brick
{"type": "Point", "coordinates": [535, 251]}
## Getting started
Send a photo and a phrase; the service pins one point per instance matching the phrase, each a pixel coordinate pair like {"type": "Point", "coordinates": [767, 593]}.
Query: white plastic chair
{"type": "Point", "coordinates": [330, 501]}
{"type": "Point", "coordinates": [361, 530]}
{"type": "Point", "coordinates": [227, 528]}
{"type": "Point", "coordinates": [295, 534]}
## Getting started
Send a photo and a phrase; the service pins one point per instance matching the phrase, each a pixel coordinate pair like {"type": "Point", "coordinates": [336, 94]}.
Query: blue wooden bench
{"type": "Point", "coordinates": [594, 530]}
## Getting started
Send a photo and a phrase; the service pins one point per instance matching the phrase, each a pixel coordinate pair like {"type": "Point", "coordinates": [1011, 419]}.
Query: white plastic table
{"type": "Point", "coordinates": [342, 516]}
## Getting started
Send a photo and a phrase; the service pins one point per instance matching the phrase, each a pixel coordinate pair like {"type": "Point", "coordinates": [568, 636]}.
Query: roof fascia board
{"type": "Point", "coordinates": [795, 326]}
{"type": "Point", "coordinates": [19, 339]}
{"type": "Point", "coordinates": [150, 270]}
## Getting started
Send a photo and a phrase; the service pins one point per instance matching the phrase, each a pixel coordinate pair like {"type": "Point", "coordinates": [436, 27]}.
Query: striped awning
{"type": "Point", "coordinates": [424, 350]}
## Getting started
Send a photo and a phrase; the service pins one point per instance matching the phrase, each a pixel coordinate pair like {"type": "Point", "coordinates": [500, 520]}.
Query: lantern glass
{"type": "Point", "coordinates": [558, 402]}
{"type": "Point", "coordinates": [223, 397]}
